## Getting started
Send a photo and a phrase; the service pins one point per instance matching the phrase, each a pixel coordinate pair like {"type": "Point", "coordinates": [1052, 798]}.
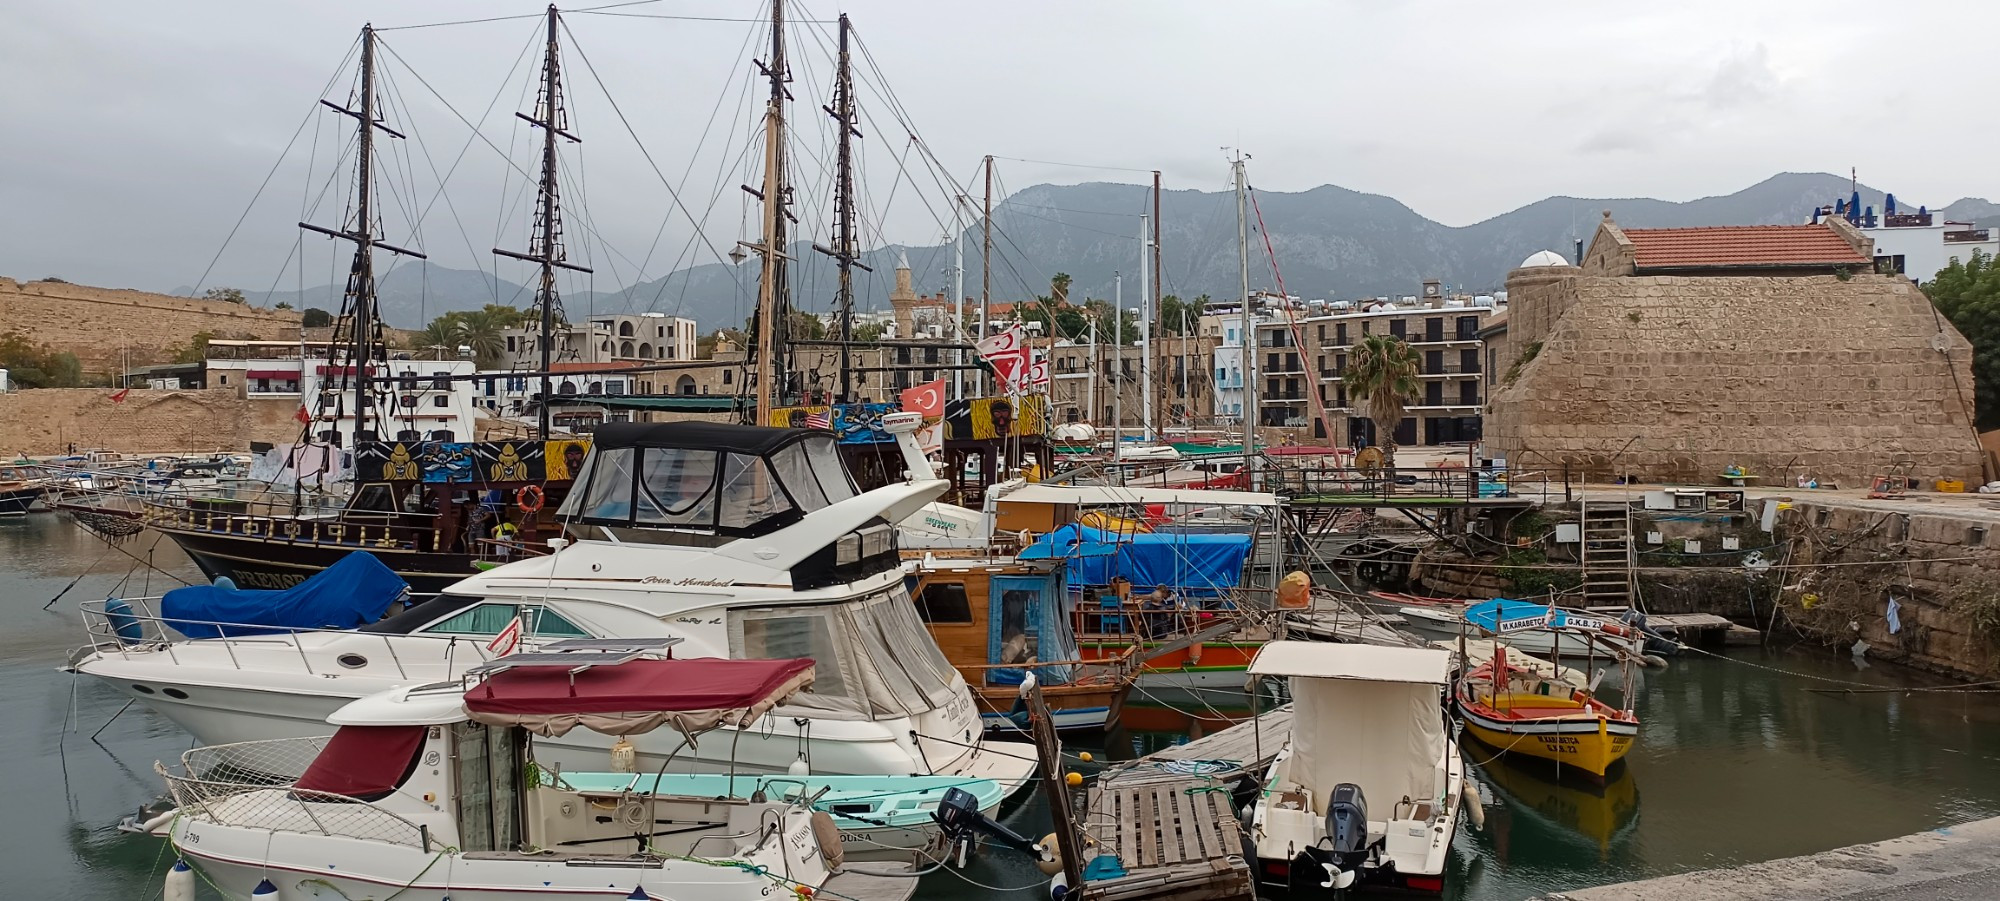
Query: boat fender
{"type": "Point", "coordinates": [118, 614]}
{"type": "Point", "coordinates": [1475, 809]}
{"type": "Point", "coordinates": [639, 894]}
{"type": "Point", "coordinates": [828, 833]}
{"type": "Point", "coordinates": [265, 891]}
{"type": "Point", "coordinates": [529, 498]}
{"type": "Point", "coordinates": [180, 883]}
{"type": "Point", "coordinates": [1653, 661]}
{"type": "Point", "coordinates": [624, 757]}
{"type": "Point", "coordinates": [1058, 886]}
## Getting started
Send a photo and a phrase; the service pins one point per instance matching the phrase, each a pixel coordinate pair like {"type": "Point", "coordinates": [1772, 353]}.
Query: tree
{"type": "Point", "coordinates": [226, 295]}
{"type": "Point", "coordinates": [1181, 317]}
{"type": "Point", "coordinates": [314, 317]}
{"type": "Point", "coordinates": [281, 305]}
{"type": "Point", "coordinates": [1059, 289]}
{"type": "Point", "coordinates": [31, 365]}
{"type": "Point", "coordinates": [869, 331]}
{"type": "Point", "coordinates": [1968, 294]}
{"type": "Point", "coordinates": [1381, 374]}
{"type": "Point", "coordinates": [481, 330]}
{"type": "Point", "coordinates": [442, 335]}
{"type": "Point", "coordinates": [195, 350]}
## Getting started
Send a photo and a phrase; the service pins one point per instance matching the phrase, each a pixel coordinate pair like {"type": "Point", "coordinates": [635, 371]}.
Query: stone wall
{"type": "Point", "coordinates": [1846, 562]}
{"type": "Point", "coordinates": [1674, 379]}
{"type": "Point", "coordinates": [107, 327]}
{"type": "Point", "coordinates": [53, 420]}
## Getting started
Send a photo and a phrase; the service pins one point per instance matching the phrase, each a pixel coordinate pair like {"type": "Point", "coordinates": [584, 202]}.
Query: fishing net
{"type": "Point", "coordinates": [113, 529]}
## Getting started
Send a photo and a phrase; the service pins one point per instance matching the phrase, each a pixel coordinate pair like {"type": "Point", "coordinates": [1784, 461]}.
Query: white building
{"type": "Point", "coordinates": [1916, 244]}
{"type": "Point", "coordinates": [607, 338]}
{"type": "Point", "coordinates": [420, 400]}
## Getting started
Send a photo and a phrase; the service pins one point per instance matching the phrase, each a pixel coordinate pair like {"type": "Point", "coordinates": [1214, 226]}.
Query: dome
{"type": "Point", "coordinates": [1544, 258]}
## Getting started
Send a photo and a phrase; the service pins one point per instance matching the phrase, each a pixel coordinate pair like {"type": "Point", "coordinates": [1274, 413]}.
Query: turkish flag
{"type": "Point", "coordinates": [119, 397]}
{"type": "Point", "coordinates": [302, 416]}
{"type": "Point", "coordinates": [927, 398]}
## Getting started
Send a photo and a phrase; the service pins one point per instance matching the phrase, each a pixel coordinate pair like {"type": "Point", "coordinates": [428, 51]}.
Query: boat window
{"type": "Point", "coordinates": [376, 498]}
{"type": "Point", "coordinates": [917, 651]}
{"type": "Point", "coordinates": [834, 480]}
{"type": "Point", "coordinates": [791, 633]}
{"type": "Point", "coordinates": [1018, 643]}
{"type": "Point", "coordinates": [609, 495]}
{"type": "Point", "coordinates": [796, 471]}
{"type": "Point", "coordinates": [944, 602]}
{"type": "Point", "coordinates": [891, 687]}
{"type": "Point", "coordinates": [678, 487]}
{"type": "Point", "coordinates": [491, 619]}
{"type": "Point", "coordinates": [750, 494]}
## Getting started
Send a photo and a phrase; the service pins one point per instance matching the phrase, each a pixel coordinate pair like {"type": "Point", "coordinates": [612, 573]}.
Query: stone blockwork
{"type": "Point", "coordinates": [108, 327]}
{"type": "Point", "coordinates": [54, 420]}
{"type": "Point", "coordinates": [1673, 379]}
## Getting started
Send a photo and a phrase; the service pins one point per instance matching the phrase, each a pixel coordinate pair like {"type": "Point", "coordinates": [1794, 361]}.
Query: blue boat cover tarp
{"type": "Point", "coordinates": [354, 591]}
{"type": "Point", "coordinates": [1193, 564]}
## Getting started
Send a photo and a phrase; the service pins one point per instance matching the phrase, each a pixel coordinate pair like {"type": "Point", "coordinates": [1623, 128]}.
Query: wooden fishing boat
{"type": "Point", "coordinates": [1519, 711]}
{"type": "Point", "coordinates": [997, 619]}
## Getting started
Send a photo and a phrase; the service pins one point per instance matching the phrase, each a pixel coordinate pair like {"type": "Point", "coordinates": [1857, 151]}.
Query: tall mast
{"type": "Point", "coordinates": [1118, 369]}
{"type": "Point", "coordinates": [958, 294]}
{"type": "Point", "coordinates": [545, 245]}
{"type": "Point", "coordinates": [365, 324]}
{"type": "Point", "coordinates": [986, 260]}
{"type": "Point", "coordinates": [844, 250]}
{"type": "Point", "coordinates": [1149, 330]}
{"type": "Point", "coordinates": [1249, 343]}
{"type": "Point", "coordinates": [1158, 350]}
{"type": "Point", "coordinates": [771, 287]}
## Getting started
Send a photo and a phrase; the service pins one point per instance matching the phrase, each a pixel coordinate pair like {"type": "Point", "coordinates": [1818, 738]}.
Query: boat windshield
{"type": "Point", "coordinates": [872, 656]}
{"type": "Point", "coordinates": [710, 487]}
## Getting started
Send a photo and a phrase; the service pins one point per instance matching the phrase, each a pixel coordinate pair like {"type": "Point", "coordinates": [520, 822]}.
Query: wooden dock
{"type": "Point", "coordinates": [1249, 744]}
{"type": "Point", "coordinates": [1176, 837]}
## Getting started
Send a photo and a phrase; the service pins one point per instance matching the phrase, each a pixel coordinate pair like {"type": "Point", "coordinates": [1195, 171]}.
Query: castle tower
{"type": "Point", "coordinates": [904, 299]}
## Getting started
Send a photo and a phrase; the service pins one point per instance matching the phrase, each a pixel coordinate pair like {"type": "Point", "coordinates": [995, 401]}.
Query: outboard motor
{"type": "Point", "coordinates": [1332, 864]}
{"type": "Point", "coordinates": [958, 816]}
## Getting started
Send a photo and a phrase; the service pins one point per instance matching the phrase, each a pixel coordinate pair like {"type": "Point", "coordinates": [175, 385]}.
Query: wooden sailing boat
{"type": "Point", "coordinates": [1519, 711]}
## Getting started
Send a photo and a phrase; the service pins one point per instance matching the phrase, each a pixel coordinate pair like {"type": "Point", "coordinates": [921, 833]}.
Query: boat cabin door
{"type": "Point", "coordinates": [1026, 624]}
{"type": "Point", "coordinates": [488, 772]}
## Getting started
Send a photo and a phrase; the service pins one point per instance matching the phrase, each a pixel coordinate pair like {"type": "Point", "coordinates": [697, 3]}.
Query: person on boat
{"type": "Point", "coordinates": [1156, 612]}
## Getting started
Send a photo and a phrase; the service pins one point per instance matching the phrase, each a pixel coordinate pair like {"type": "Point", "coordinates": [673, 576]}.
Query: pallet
{"type": "Point", "coordinates": [1176, 836]}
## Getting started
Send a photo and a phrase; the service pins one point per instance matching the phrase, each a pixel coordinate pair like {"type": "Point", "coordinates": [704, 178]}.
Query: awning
{"type": "Point", "coordinates": [286, 374]}
{"type": "Point", "coordinates": [1365, 662]}
{"type": "Point", "coordinates": [692, 695]}
{"type": "Point", "coordinates": [1099, 495]}
{"type": "Point", "coordinates": [365, 762]}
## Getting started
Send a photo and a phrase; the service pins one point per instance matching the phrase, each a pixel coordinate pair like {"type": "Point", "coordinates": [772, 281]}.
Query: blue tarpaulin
{"type": "Point", "coordinates": [1196, 564]}
{"type": "Point", "coordinates": [354, 591]}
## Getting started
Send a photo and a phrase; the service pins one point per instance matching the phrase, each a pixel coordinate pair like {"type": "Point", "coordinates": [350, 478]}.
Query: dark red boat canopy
{"type": "Point", "coordinates": [693, 695]}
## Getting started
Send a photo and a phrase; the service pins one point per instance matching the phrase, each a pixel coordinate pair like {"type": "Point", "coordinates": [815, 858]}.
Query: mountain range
{"type": "Point", "coordinates": [1330, 242]}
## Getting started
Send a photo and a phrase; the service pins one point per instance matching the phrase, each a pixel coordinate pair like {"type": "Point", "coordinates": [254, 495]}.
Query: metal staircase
{"type": "Point", "coordinates": [1605, 553]}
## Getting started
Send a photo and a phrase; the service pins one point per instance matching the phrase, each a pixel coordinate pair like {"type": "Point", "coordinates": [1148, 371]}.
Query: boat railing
{"type": "Point", "coordinates": [385, 531]}
{"type": "Point", "coordinates": [280, 806]}
{"type": "Point", "coordinates": [127, 626]}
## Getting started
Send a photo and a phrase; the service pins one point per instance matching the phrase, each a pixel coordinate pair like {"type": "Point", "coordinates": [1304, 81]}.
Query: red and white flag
{"type": "Point", "coordinates": [302, 416]}
{"type": "Point", "coordinates": [1007, 342]}
{"type": "Point", "coordinates": [508, 639]}
{"type": "Point", "coordinates": [118, 397]}
{"type": "Point", "coordinates": [927, 398]}
{"type": "Point", "coordinates": [1038, 373]}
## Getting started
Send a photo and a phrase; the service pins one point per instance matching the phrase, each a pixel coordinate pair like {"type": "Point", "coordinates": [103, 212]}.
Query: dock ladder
{"type": "Point", "coordinates": [1605, 554]}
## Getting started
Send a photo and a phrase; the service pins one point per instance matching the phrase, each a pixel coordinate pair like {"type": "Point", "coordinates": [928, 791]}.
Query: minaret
{"type": "Point", "coordinates": [904, 299]}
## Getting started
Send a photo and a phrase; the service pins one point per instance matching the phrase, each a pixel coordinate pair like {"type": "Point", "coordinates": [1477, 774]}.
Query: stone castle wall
{"type": "Point", "coordinates": [53, 420]}
{"type": "Point", "coordinates": [1676, 378]}
{"type": "Point", "coordinates": [105, 327]}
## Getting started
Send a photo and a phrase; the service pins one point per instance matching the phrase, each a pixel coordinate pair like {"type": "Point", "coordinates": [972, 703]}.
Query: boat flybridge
{"type": "Point", "coordinates": [734, 541]}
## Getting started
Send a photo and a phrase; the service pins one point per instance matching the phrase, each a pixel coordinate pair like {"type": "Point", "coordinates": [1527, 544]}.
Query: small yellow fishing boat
{"type": "Point", "coordinates": [1522, 712]}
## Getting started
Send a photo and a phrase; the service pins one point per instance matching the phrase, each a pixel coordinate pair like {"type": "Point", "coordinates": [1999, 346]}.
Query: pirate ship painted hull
{"type": "Point", "coordinates": [434, 512]}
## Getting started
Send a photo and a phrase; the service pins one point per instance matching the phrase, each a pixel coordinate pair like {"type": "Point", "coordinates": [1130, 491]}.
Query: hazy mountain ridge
{"type": "Point", "coordinates": [1329, 242]}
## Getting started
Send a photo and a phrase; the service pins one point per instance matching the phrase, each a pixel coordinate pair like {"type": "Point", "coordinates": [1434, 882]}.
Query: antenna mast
{"type": "Point", "coordinates": [986, 263]}
{"type": "Point", "coordinates": [772, 290]}
{"type": "Point", "coordinates": [1158, 349]}
{"type": "Point", "coordinates": [844, 250]}
{"type": "Point", "coordinates": [1250, 375]}
{"type": "Point", "coordinates": [545, 246]}
{"type": "Point", "coordinates": [363, 321]}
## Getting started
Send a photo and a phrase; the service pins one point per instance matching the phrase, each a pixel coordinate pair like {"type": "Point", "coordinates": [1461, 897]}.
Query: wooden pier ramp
{"type": "Point", "coordinates": [1176, 836]}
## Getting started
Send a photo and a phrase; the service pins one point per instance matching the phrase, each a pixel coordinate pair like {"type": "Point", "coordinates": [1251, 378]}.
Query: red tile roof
{"type": "Point", "coordinates": [1742, 246]}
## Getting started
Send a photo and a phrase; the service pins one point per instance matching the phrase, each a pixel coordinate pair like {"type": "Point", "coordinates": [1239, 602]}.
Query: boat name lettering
{"type": "Point", "coordinates": [254, 579]}
{"type": "Point", "coordinates": [691, 580]}
{"type": "Point", "coordinates": [937, 523]}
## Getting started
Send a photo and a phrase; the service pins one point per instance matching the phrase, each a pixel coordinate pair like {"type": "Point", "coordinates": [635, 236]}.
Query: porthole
{"type": "Point", "coordinates": [174, 693]}
{"type": "Point", "coordinates": [352, 661]}
{"type": "Point", "coordinates": [144, 690]}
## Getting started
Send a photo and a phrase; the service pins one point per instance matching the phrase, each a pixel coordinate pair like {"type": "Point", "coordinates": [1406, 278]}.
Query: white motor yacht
{"type": "Point", "coordinates": [735, 541]}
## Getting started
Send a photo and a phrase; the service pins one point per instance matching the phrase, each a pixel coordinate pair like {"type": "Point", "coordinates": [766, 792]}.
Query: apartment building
{"type": "Point", "coordinates": [1104, 384]}
{"type": "Point", "coordinates": [608, 338]}
{"type": "Point", "coordinates": [1308, 351]}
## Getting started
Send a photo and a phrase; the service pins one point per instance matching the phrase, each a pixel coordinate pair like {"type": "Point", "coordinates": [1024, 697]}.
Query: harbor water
{"type": "Point", "coordinates": [1739, 760]}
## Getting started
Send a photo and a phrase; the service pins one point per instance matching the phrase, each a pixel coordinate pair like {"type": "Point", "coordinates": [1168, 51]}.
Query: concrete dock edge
{"type": "Point", "coordinates": [1960, 861]}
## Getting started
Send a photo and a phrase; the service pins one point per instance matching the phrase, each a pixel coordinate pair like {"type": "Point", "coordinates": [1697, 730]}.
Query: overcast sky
{"type": "Point", "coordinates": [137, 132]}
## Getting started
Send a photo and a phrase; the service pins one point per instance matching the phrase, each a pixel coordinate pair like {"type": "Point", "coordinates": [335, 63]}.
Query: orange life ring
{"type": "Point", "coordinates": [529, 498]}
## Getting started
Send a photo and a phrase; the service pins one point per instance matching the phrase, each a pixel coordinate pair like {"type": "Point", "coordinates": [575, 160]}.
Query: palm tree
{"type": "Point", "coordinates": [440, 338]}
{"type": "Point", "coordinates": [481, 331]}
{"type": "Point", "coordinates": [1381, 374]}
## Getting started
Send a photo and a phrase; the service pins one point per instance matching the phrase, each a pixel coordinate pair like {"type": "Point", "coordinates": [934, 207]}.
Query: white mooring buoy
{"type": "Point", "coordinates": [265, 891]}
{"type": "Point", "coordinates": [180, 883]}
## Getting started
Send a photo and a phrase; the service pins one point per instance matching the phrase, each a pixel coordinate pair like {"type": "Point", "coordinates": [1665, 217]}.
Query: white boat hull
{"type": "Point", "coordinates": [1443, 625]}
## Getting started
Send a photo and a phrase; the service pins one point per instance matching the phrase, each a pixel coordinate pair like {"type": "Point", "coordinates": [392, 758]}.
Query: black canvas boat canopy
{"type": "Point", "coordinates": [742, 439]}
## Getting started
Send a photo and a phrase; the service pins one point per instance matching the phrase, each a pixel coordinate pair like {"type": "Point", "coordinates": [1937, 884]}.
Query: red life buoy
{"type": "Point", "coordinates": [529, 498]}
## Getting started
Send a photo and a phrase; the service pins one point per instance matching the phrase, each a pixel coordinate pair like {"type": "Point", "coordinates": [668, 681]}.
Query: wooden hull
{"type": "Point", "coordinates": [255, 561]}
{"type": "Point", "coordinates": [1582, 740]}
{"type": "Point", "coordinates": [1088, 706]}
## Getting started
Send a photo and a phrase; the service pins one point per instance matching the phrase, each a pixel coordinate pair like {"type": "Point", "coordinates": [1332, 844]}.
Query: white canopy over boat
{"type": "Point", "coordinates": [1364, 714]}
